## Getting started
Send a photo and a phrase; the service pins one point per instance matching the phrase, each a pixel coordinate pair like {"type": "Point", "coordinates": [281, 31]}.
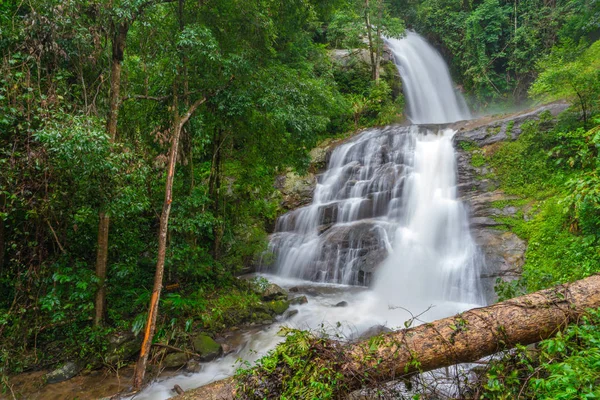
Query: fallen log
{"type": "Point", "coordinates": [462, 338]}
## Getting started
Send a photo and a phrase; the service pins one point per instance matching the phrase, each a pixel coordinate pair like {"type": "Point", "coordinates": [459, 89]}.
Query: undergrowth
{"type": "Point", "coordinates": [564, 367]}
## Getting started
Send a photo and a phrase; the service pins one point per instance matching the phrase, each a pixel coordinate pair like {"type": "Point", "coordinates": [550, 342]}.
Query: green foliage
{"type": "Point", "coordinates": [297, 368]}
{"type": "Point", "coordinates": [272, 90]}
{"type": "Point", "coordinates": [553, 170]}
{"type": "Point", "coordinates": [577, 78]}
{"type": "Point", "coordinates": [494, 45]}
{"type": "Point", "coordinates": [564, 367]}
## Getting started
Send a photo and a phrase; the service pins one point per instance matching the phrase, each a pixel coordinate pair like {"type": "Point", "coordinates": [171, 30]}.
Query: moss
{"type": "Point", "coordinates": [556, 253]}
{"type": "Point", "coordinates": [468, 145]}
{"type": "Point", "coordinates": [477, 160]}
{"type": "Point", "coordinates": [509, 128]}
{"type": "Point", "coordinates": [278, 306]}
{"type": "Point", "coordinates": [206, 346]}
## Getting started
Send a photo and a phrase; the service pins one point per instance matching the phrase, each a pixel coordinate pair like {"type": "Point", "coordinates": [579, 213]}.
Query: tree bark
{"type": "Point", "coordinates": [379, 41]}
{"type": "Point", "coordinates": [370, 37]}
{"type": "Point", "coordinates": [179, 122]}
{"type": "Point", "coordinates": [118, 48]}
{"type": "Point", "coordinates": [463, 338]}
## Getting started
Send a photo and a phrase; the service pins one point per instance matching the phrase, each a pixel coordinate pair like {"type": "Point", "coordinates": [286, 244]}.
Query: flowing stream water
{"type": "Point", "coordinates": [385, 215]}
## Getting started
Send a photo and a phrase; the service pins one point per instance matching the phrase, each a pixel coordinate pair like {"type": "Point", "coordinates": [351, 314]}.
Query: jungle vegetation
{"type": "Point", "coordinates": [138, 135]}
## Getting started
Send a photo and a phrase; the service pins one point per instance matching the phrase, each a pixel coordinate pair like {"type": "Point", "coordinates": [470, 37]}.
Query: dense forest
{"type": "Point", "coordinates": [140, 141]}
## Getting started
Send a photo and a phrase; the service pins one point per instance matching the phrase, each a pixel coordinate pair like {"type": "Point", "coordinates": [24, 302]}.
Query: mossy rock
{"type": "Point", "coordinates": [207, 347]}
{"type": "Point", "coordinates": [278, 307]}
{"type": "Point", "coordinates": [67, 371]}
{"type": "Point", "coordinates": [299, 300]}
{"type": "Point", "coordinates": [273, 292]}
{"type": "Point", "coordinates": [260, 316]}
{"type": "Point", "coordinates": [175, 360]}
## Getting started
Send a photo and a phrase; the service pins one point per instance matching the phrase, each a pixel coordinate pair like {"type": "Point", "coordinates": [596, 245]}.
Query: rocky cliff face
{"type": "Point", "coordinates": [504, 251]}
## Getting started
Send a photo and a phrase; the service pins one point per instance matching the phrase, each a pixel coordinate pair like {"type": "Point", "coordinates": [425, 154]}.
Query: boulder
{"type": "Point", "coordinates": [207, 347]}
{"type": "Point", "coordinates": [289, 314]}
{"type": "Point", "coordinates": [278, 307]}
{"type": "Point", "coordinates": [67, 371]}
{"type": "Point", "coordinates": [272, 292]}
{"type": "Point", "coordinates": [122, 347]}
{"type": "Point", "coordinates": [299, 300]}
{"type": "Point", "coordinates": [193, 366]}
{"type": "Point", "coordinates": [342, 304]}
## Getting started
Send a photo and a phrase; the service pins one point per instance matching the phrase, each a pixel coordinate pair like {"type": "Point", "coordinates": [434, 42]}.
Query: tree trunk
{"type": "Point", "coordinates": [370, 37]}
{"type": "Point", "coordinates": [118, 48]}
{"type": "Point", "coordinates": [178, 124]}
{"type": "Point", "coordinates": [379, 41]}
{"type": "Point", "coordinates": [101, 261]}
{"type": "Point", "coordinates": [459, 339]}
{"type": "Point", "coordinates": [2, 233]}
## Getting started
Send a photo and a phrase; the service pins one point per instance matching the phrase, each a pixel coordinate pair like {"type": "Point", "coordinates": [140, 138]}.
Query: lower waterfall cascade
{"type": "Point", "coordinates": [385, 233]}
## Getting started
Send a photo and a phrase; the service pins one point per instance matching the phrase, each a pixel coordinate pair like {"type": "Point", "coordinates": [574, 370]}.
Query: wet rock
{"type": "Point", "coordinates": [480, 222]}
{"type": "Point", "coordinates": [296, 190]}
{"type": "Point", "coordinates": [294, 289]}
{"type": "Point", "coordinates": [122, 347]}
{"type": "Point", "coordinates": [328, 214]}
{"type": "Point", "coordinates": [289, 314]}
{"type": "Point", "coordinates": [266, 322]}
{"type": "Point", "coordinates": [278, 307]}
{"type": "Point", "coordinates": [227, 349]}
{"type": "Point", "coordinates": [206, 347]}
{"type": "Point", "coordinates": [342, 304]}
{"type": "Point", "coordinates": [193, 366]}
{"type": "Point", "coordinates": [175, 360]}
{"type": "Point", "coordinates": [67, 371]}
{"type": "Point", "coordinates": [509, 128]}
{"type": "Point", "coordinates": [261, 316]}
{"type": "Point", "coordinates": [503, 251]}
{"type": "Point", "coordinates": [299, 300]}
{"type": "Point", "coordinates": [272, 291]}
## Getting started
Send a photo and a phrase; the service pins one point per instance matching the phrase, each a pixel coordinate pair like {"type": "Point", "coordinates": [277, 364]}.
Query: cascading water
{"type": "Point", "coordinates": [384, 214]}
{"type": "Point", "coordinates": [391, 193]}
{"type": "Point", "coordinates": [427, 86]}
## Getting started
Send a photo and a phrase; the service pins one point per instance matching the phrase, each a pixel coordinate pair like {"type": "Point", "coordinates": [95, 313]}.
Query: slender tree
{"type": "Point", "coordinates": [178, 123]}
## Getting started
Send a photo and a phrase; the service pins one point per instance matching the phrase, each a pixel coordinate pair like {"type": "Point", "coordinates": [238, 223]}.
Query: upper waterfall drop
{"type": "Point", "coordinates": [427, 86]}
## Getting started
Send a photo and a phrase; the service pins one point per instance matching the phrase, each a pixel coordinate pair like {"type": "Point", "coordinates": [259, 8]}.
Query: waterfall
{"type": "Point", "coordinates": [427, 86]}
{"type": "Point", "coordinates": [385, 213]}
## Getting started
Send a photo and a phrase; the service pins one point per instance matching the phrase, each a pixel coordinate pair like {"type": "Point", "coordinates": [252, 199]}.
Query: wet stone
{"type": "Point", "coordinates": [299, 300]}
{"type": "Point", "coordinates": [175, 360]}
{"type": "Point", "coordinates": [67, 371]}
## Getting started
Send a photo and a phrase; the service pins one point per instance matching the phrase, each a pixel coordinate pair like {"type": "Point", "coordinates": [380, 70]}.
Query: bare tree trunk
{"type": "Point", "coordinates": [379, 41]}
{"type": "Point", "coordinates": [370, 37]}
{"type": "Point", "coordinates": [465, 337]}
{"type": "Point", "coordinates": [101, 261]}
{"type": "Point", "coordinates": [2, 233]}
{"type": "Point", "coordinates": [118, 48]}
{"type": "Point", "coordinates": [178, 124]}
